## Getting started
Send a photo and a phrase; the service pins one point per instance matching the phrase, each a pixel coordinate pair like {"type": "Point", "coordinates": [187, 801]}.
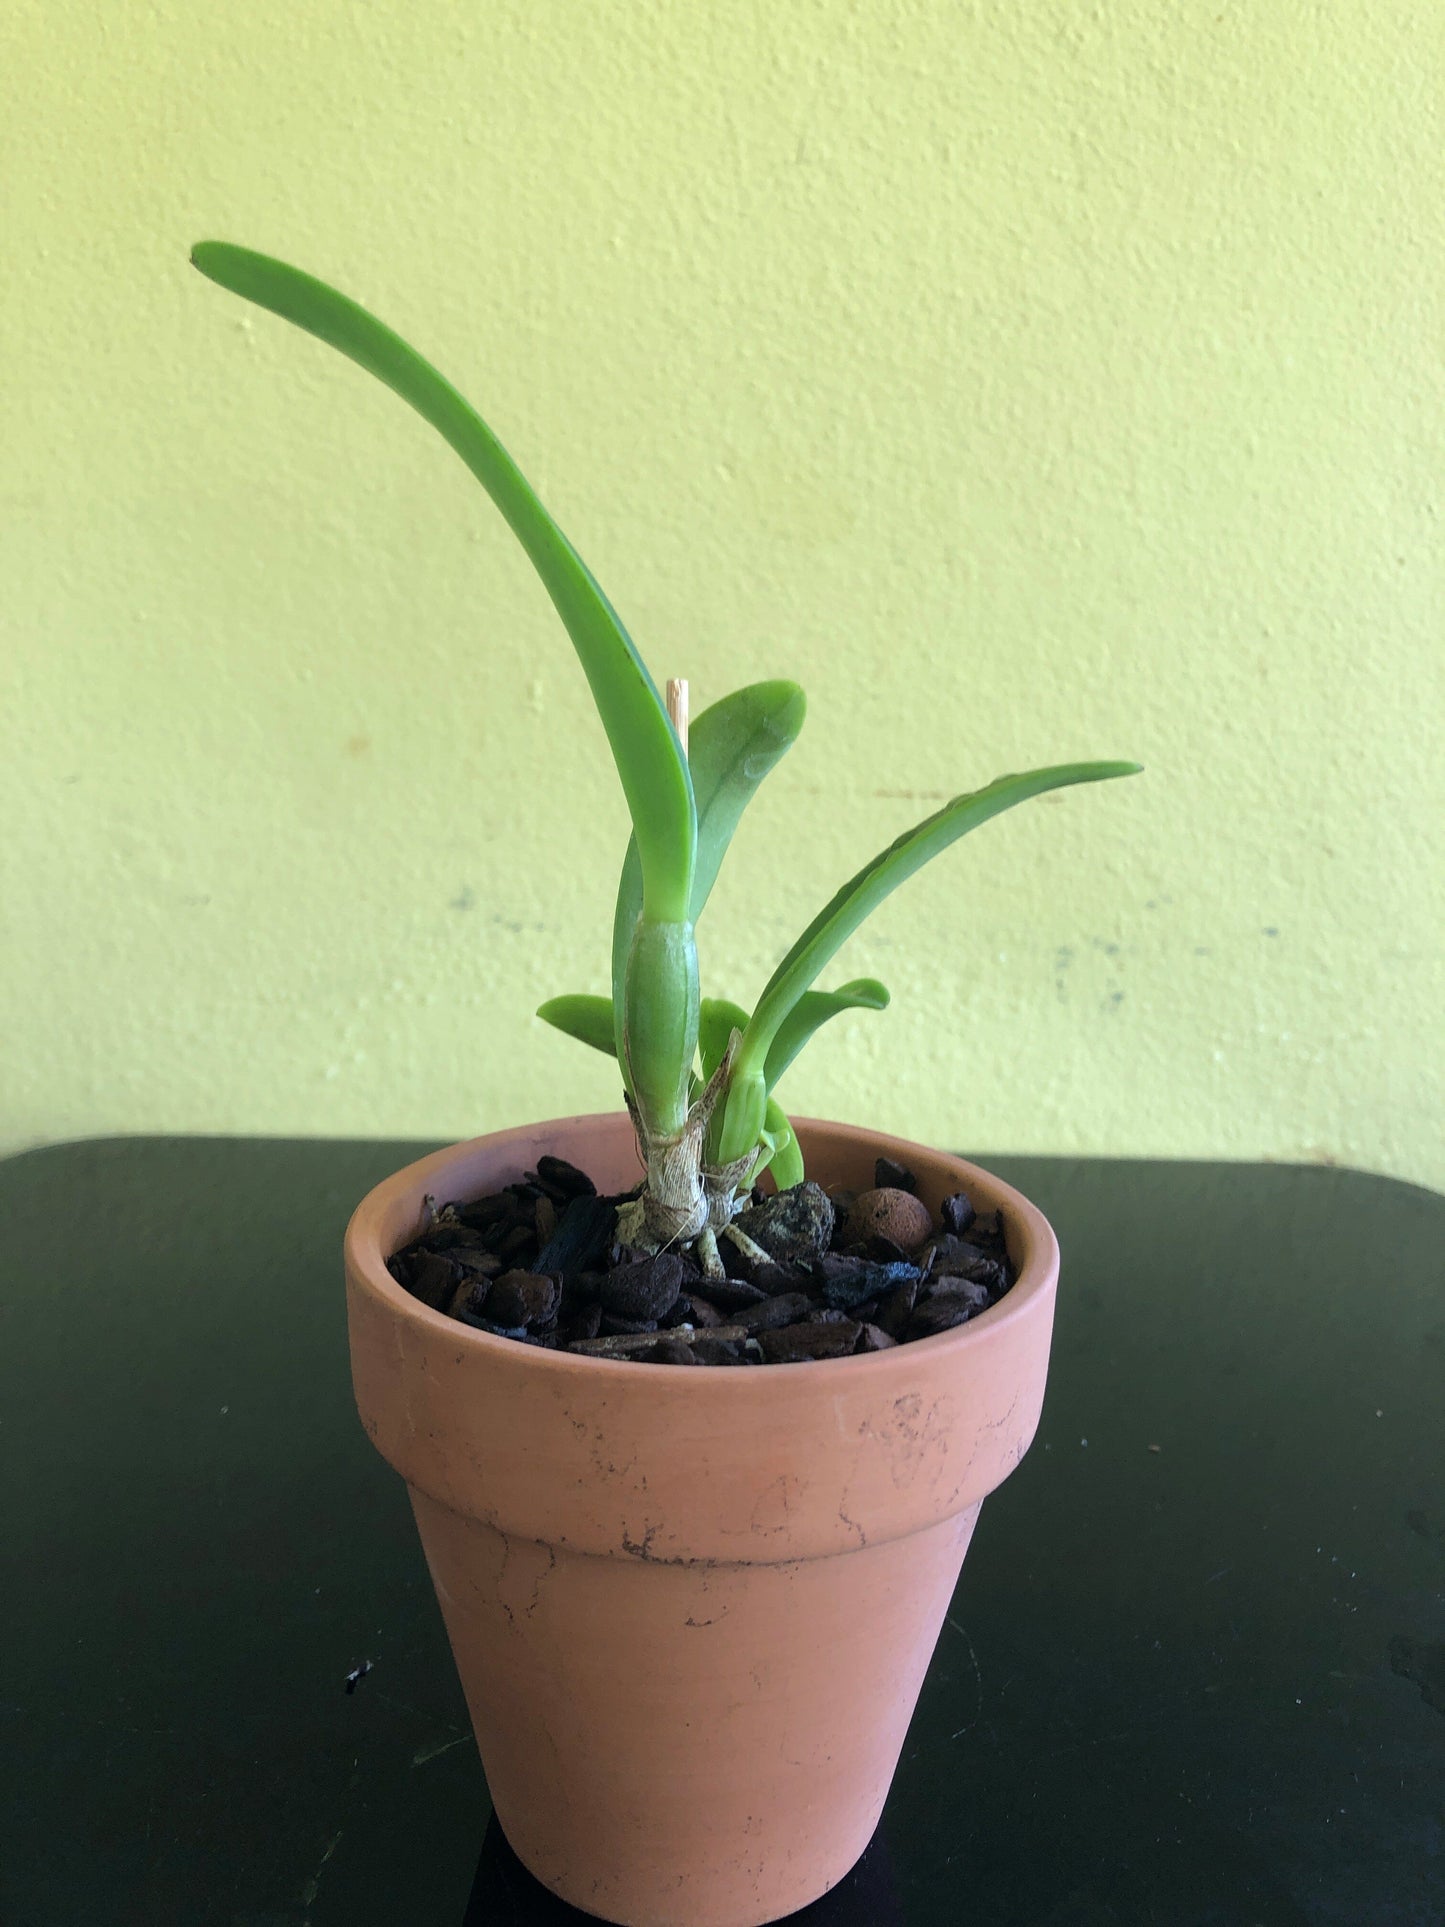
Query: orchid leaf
{"type": "Point", "coordinates": [587, 1018]}
{"type": "Point", "coordinates": [717, 1020]}
{"type": "Point", "coordinates": [812, 1009]}
{"type": "Point", "coordinates": [786, 1162]}
{"type": "Point", "coordinates": [876, 881]}
{"type": "Point", "coordinates": [733, 745]}
{"type": "Point", "coordinates": [644, 744]}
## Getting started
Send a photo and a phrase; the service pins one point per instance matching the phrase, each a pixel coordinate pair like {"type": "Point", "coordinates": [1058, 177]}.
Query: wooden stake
{"type": "Point", "coordinates": [677, 707]}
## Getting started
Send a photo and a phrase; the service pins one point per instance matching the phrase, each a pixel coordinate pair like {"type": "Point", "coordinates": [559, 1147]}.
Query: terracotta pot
{"type": "Point", "coordinates": [691, 1608]}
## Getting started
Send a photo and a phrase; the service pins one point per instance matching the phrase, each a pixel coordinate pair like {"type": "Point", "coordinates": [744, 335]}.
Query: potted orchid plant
{"type": "Point", "coordinates": [659, 1583]}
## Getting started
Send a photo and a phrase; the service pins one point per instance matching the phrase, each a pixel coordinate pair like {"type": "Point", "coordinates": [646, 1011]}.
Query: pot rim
{"type": "Point", "coordinates": [1037, 1263]}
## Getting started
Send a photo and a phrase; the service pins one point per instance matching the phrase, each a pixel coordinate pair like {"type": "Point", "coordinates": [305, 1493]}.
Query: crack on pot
{"type": "Point", "coordinates": [510, 1544]}
{"type": "Point", "coordinates": [546, 1572]}
{"type": "Point", "coordinates": [783, 1486]}
{"type": "Point", "coordinates": [852, 1524]}
{"type": "Point", "coordinates": [642, 1548]}
{"type": "Point", "coordinates": [908, 1441]}
{"type": "Point", "coordinates": [501, 1578]}
{"type": "Point", "coordinates": [987, 1426]}
{"type": "Point", "coordinates": [995, 1425]}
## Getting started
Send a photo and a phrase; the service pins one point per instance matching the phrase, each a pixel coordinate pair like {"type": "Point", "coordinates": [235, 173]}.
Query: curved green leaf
{"type": "Point", "coordinates": [862, 894]}
{"type": "Point", "coordinates": [644, 745]}
{"type": "Point", "coordinates": [587, 1018]}
{"type": "Point", "coordinates": [733, 744]}
{"type": "Point", "coordinates": [716, 1021]}
{"type": "Point", "coordinates": [812, 1009]}
{"type": "Point", "coordinates": [719, 1018]}
{"type": "Point", "coordinates": [786, 1162]}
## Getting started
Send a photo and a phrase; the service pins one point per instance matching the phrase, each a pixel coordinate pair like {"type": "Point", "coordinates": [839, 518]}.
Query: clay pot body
{"type": "Point", "coordinates": [691, 1607]}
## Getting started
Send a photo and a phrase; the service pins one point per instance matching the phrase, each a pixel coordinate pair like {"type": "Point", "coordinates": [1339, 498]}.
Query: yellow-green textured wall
{"type": "Point", "coordinates": [1031, 381]}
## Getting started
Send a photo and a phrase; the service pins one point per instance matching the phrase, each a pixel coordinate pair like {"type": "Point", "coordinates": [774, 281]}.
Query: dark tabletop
{"type": "Point", "coordinates": [1194, 1671]}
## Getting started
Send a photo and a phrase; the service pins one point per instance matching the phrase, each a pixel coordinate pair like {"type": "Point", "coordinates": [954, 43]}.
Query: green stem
{"type": "Point", "coordinates": [743, 1113]}
{"type": "Point", "coordinates": [659, 1023]}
